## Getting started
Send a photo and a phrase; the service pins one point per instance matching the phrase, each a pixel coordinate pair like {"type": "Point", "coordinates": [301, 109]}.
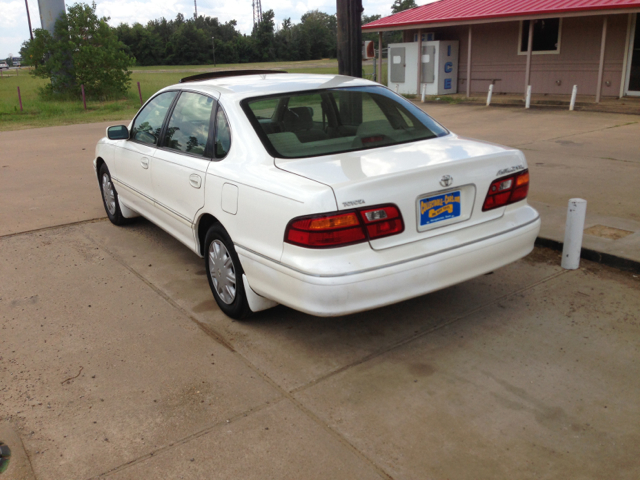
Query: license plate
{"type": "Point", "coordinates": [439, 207]}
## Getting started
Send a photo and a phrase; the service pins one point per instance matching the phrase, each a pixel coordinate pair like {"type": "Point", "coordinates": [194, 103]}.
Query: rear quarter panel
{"type": "Point", "coordinates": [267, 197]}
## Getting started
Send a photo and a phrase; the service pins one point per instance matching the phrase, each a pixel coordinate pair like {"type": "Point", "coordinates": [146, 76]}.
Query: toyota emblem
{"type": "Point", "coordinates": [446, 181]}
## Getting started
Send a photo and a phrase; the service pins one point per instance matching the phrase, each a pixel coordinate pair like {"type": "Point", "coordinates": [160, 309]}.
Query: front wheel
{"type": "Point", "coordinates": [110, 197]}
{"type": "Point", "coordinates": [224, 273]}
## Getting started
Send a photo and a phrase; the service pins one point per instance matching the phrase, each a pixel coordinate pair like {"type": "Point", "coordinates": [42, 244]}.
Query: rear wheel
{"type": "Point", "coordinates": [110, 197]}
{"type": "Point", "coordinates": [224, 273]}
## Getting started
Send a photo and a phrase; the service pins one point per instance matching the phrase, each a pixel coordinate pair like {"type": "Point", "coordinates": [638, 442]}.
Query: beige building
{"type": "Point", "coordinates": [594, 44]}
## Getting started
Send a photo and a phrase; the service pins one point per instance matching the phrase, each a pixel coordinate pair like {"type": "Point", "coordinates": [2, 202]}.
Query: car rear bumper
{"type": "Point", "coordinates": [358, 291]}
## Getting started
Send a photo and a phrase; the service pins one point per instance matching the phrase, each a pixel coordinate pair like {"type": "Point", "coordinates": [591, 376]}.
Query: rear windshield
{"type": "Point", "coordinates": [325, 122]}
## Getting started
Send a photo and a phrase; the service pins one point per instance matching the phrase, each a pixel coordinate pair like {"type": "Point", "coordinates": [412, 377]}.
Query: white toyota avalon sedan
{"type": "Point", "coordinates": [325, 193]}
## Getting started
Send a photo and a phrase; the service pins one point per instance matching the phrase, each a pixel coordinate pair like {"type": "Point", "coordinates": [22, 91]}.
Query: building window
{"type": "Point", "coordinates": [546, 36]}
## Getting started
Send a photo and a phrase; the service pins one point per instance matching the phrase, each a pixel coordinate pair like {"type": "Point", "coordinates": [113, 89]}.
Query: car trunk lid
{"type": "Point", "coordinates": [439, 184]}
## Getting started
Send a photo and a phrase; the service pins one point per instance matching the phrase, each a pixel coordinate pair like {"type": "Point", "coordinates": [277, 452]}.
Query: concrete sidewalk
{"type": "Point", "coordinates": [586, 103]}
{"type": "Point", "coordinates": [115, 361]}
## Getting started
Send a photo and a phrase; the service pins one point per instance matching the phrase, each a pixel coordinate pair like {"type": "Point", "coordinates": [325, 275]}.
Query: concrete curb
{"type": "Point", "coordinates": [536, 106]}
{"type": "Point", "coordinates": [594, 256]}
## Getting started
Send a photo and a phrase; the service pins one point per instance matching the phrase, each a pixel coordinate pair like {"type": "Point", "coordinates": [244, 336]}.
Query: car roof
{"type": "Point", "coordinates": [269, 84]}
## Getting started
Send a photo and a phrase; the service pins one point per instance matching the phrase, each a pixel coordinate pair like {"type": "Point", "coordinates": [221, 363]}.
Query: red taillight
{"type": "Point", "coordinates": [345, 228]}
{"type": "Point", "coordinates": [507, 190]}
{"type": "Point", "coordinates": [382, 221]}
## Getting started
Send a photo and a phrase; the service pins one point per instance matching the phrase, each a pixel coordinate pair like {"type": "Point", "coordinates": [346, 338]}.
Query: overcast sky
{"type": "Point", "coordinates": [14, 28]}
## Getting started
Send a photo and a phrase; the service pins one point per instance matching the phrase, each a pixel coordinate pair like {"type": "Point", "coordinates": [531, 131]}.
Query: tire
{"type": "Point", "coordinates": [224, 273]}
{"type": "Point", "coordinates": [110, 197]}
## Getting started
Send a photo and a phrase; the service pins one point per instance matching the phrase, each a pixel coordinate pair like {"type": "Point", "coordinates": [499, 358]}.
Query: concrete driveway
{"type": "Point", "coordinates": [115, 361]}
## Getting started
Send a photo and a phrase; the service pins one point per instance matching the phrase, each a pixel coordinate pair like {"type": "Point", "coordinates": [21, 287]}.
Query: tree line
{"type": "Point", "coordinates": [85, 52]}
{"type": "Point", "coordinates": [190, 41]}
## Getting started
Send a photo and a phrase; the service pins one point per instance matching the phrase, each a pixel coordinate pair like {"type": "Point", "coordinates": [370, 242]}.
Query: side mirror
{"type": "Point", "coordinates": [119, 132]}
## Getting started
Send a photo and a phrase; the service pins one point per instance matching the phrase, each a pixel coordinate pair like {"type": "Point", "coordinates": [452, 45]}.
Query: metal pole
{"type": "Point", "coordinates": [140, 93]}
{"type": "Point", "coordinates": [574, 92]}
{"type": "Point", "coordinates": [29, 19]}
{"type": "Point", "coordinates": [380, 55]}
{"type": "Point", "coordinates": [213, 43]}
{"type": "Point", "coordinates": [375, 62]}
{"type": "Point", "coordinates": [20, 98]}
{"type": "Point", "coordinates": [469, 64]}
{"type": "Point", "coordinates": [84, 100]}
{"type": "Point", "coordinates": [527, 102]}
{"type": "Point", "coordinates": [603, 44]}
{"type": "Point", "coordinates": [527, 75]}
{"type": "Point", "coordinates": [489, 94]}
{"type": "Point", "coordinates": [419, 61]}
{"type": "Point", "coordinates": [576, 213]}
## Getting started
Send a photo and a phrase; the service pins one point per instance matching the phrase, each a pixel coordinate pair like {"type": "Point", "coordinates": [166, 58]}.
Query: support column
{"type": "Point", "coordinates": [419, 60]}
{"type": "Point", "coordinates": [527, 75]}
{"type": "Point", "coordinates": [380, 57]}
{"type": "Point", "coordinates": [603, 44]}
{"type": "Point", "coordinates": [625, 59]}
{"type": "Point", "coordinates": [469, 64]}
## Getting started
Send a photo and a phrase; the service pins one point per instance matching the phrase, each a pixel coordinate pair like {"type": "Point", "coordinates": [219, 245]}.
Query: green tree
{"type": "Point", "coordinates": [264, 36]}
{"type": "Point", "coordinates": [320, 32]}
{"type": "Point", "coordinates": [401, 5]}
{"type": "Point", "coordinates": [86, 48]}
{"type": "Point", "coordinates": [189, 45]}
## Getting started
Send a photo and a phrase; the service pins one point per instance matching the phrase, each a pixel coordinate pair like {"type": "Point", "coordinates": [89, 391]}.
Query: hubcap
{"type": "Point", "coordinates": [222, 272]}
{"type": "Point", "coordinates": [108, 194]}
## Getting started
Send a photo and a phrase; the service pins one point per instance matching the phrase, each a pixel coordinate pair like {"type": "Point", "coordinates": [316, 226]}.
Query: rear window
{"type": "Point", "coordinates": [332, 121]}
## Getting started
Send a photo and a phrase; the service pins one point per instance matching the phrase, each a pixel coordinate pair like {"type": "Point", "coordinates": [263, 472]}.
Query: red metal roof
{"type": "Point", "coordinates": [459, 11]}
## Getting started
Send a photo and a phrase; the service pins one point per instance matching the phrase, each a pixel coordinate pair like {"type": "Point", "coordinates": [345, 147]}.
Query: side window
{"type": "Point", "coordinates": [188, 128]}
{"type": "Point", "coordinates": [223, 134]}
{"type": "Point", "coordinates": [147, 125]}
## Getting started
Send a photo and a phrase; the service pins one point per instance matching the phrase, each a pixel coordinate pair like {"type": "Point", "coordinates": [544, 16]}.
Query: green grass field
{"type": "Point", "coordinates": [46, 113]}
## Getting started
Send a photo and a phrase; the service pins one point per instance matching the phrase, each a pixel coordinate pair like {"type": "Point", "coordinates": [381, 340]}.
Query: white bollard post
{"type": "Point", "coordinates": [528, 101]}
{"type": "Point", "coordinates": [576, 213]}
{"type": "Point", "coordinates": [424, 88]}
{"type": "Point", "coordinates": [574, 92]}
{"type": "Point", "coordinates": [397, 86]}
{"type": "Point", "coordinates": [489, 94]}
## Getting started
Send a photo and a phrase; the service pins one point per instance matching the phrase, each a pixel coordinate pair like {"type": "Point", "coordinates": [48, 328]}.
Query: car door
{"type": "Point", "coordinates": [179, 166]}
{"type": "Point", "coordinates": [133, 157]}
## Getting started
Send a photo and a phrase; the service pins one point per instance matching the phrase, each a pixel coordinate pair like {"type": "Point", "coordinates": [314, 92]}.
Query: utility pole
{"type": "Point", "coordinates": [349, 14]}
{"type": "Point", "coordinates": [26, 4]}
{"type": "Point", "coordinates": [195, 4]}
{"type": "Point", "coordinates": [213, 43]}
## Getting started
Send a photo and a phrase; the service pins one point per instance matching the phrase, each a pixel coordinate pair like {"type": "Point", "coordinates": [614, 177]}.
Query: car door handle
{"type": "Point", "coordinates": [145, 163]}
{"type": "Point", "coordinates": [195, 180]}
